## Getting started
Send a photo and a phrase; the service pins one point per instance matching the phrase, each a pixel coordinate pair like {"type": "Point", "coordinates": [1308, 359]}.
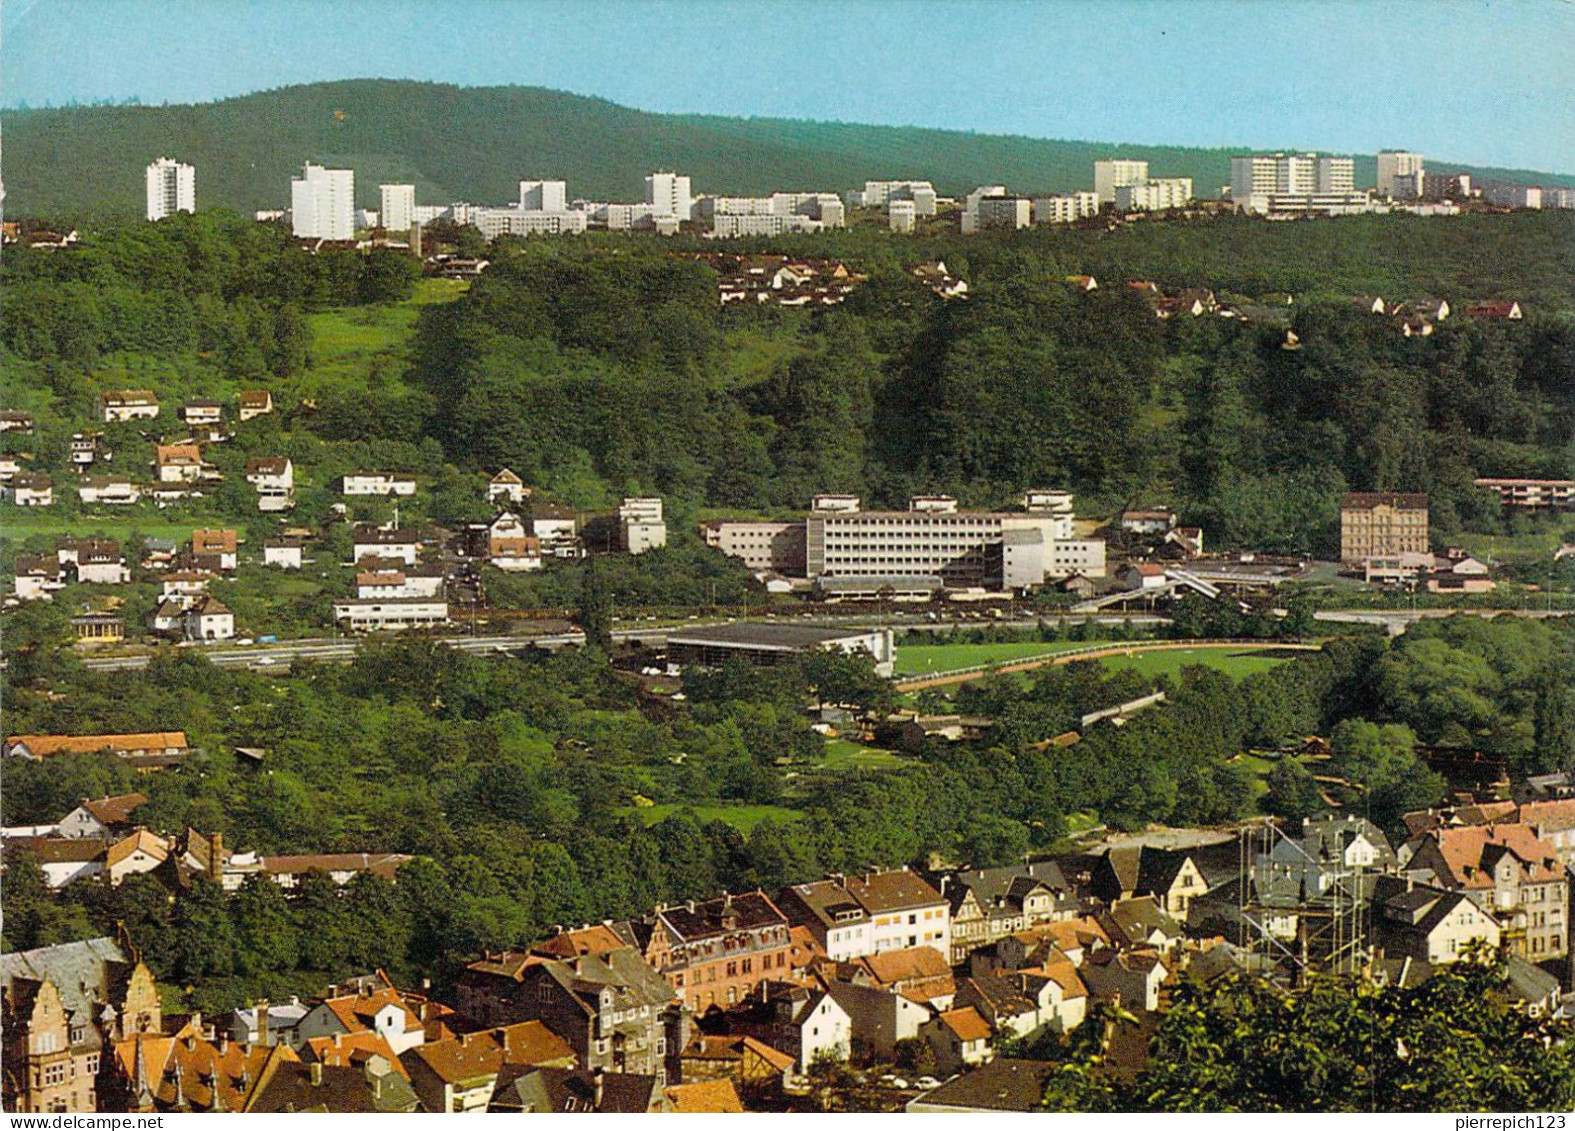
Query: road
{"type": "Point", "coordinates": [343, 649]}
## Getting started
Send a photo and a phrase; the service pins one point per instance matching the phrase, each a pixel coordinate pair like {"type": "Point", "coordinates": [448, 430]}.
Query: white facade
{"type": "Point", "coordinates": [1513, 196]}
{"type": "Point", "coordinates": [1065, 209]}
{"type": "Point", "coordinates": [1009, 212]}
{"type": "Point", "coordinates": [1400, 174]}
{"type": "Point", "coordinates": [397, 207]}
{"type": "Point", "coordinates": [641, 526]}
{"type": "Point", "coordinates": [669, 194]}
{"type": "Point", "coordinates": [282, 555]}
{"type": "Point", "coordinates": [322, 204]}
{"type": "Point", "coordinates": [390, 615]}
{"type": "Point", "coordinates": [1113, 173]}
{"type": "Point", "coordinates": [544, 196]}
{"type": "Point", "coordinates": [900, 216]}
{"type": "Point", "coordinates": [376, 483]}
{"type": "Point", "coordinates": [882, 194]}
{"type": "Point", "coordinates": [495, 222]}
{"type": "Point", "coordinates": [172, 188]}
{"type": "Point", "coordinates": [1154, 195]}
{"type": "Point", "coordinates": [1266, 175]}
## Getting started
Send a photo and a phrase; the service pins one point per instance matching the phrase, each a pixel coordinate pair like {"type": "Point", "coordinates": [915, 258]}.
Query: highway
{"type": "Point", "coordinates": [343, 649]}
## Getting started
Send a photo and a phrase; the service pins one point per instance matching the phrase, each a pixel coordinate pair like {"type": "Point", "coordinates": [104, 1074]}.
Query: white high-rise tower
{"type": "Point", "coordinates": [322, 204]}
{"type": "Point", "coordinates": [669, 194]}
{"type": "Point", "coordinates": [397, 207]}
{"type": "Point", "coordinates": [172, 187]}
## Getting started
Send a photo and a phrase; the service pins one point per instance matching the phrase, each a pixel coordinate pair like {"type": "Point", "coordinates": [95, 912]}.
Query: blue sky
{"type": "Point", "coordinates": [1483, 81]}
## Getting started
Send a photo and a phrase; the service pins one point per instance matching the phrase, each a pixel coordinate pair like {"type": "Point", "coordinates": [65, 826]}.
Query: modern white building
{"type": "Point", "coordinates": [1066, 208]}
{"type": "Point", "coordinates": [322, 204]}
{"type": "Point", "coordinates": [397, 207]}
{"type": "Point", "coordinates": [901, 216]}
{"type": "Point", "coordinates": [544, 196]}
{"type": "Point", "coordinates": [1258, 180]}
{"type": "Point", "coordinates": [495, 222]}
{"type": "Point", "coordinates": [1113, 173]}
{"type": "Point", "coordinates": [1400, 174]}
{"type": "Point", "coordinates": [881, 194]}
{"type": "Point", "coordinates": [641, 526]}
{"type": "Point", "coordinates": [1154, 195]}
{"type": "Point", "coordinates": [1513, 196]}
{"type": "Point", "coordinates": [172, 188]}
{"type": "Point", "coordinates": [670, 194]}
{"type": "Point", "coordinates": [1004, 212]}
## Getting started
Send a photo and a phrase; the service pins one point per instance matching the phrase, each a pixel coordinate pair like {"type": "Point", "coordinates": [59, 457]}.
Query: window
{"type": "Point", "coordinates": [732, 969]}
{"type": "Point", "coordinates": [749, 965]}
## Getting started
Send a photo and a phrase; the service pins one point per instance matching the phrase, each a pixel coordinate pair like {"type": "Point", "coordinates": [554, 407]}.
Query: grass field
{"type": "Point", "coordinates": [1234, 663]}
{"type": "Point", "coordinates": [19, 524]}
{"type": "Point", "coordinates": [345, 342]}
{"type": "Point", "coordinates": [917, 659]}
{"type": "Point", "coordinates": [844, 755]}
{"type": "Point", "coordinates": [742, 817]}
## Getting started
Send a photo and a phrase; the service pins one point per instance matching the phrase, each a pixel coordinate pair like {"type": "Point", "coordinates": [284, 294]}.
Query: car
{"type": "Point", "coordinates": [244, 641]}
{"type": "Point", "coordinates": [265, 661]}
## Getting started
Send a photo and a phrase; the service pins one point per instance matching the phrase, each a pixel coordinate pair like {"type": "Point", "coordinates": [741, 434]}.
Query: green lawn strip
{"type": "Point", "coordinates": [841, 754]}
{"type": "Point", "coordinates": [920, 659]}
{"type": "Point", "coordinates": [1235, 663]}
{"type": "Point", "coordinates": [742, 817]}
{"type": "Point", "coordinates": [17, 526]}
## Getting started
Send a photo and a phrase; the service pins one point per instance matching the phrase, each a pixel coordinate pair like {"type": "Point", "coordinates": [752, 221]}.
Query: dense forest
{"type": "Point", "coordinates": [459, 143]}
{"type": "Point", "coordinates": [601, 366]}
{"type": "Point", "coordinates": [537, 790]}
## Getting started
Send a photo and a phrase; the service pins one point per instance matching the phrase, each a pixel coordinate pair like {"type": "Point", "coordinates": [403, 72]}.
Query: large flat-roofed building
{"type": "Point", "coordinates": [1401, 174]}
{"type": "Point", "coordinates": [396, 207]}
{"type": "Point", "coordinates": [765, 547]}
{"type": "Point", "coordinates": [1114, 173]}
{"type": "Point", "coordinates": [881, 194]}
{"type": "Point", "coordinates": [1532, 494]}
{"type": "Point", "coordinates": [1154, 195]}
{"type": "Point", "coordinates": [767, 645]}
{"type": "Point", "coordinates": [1382, 524]}
{"type": "Point", "coordinates": [670, 194]}
{"type": "Point", "coordinates": [1276, 182]}
{"type": "Point", "coordinates": [960, 549]}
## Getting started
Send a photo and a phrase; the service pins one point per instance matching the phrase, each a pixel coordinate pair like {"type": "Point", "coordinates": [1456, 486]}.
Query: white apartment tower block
{"type": "Point", "coordinates": [322, 204]}
{"type": "Point", "coordinates": [1400, 173]}
{"type": "Point", "coordinates": [670, 194]}
{"type": "Point", "coordinates": [1257, 178]}
{"type": "Point", "coordinates": [1114, 173]}
{"type": "Point", "coordinates": [397, 208]}
{"type": "Point", "coordinates": [172, 188]}
{"type": "Point", "coordinates": [544, 196]}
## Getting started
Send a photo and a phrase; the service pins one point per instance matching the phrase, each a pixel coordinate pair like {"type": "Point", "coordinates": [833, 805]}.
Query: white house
{"type": "Point", "coordinates": [37, 578]}
{"type": "Point", "coordinates": [33, 491]}
{"type": "Point", "coordinates": [284, 553]}
{"type": "Point", "coordinates": [109, 491]}
{"type": "Point", "coordinates": [178, 463]}
{"type": "Point", "coordinates": [376, 483]}
{"type": "Point", "coordinates": [255, 403]}
{"type": "Point", "coordinates": [128, 404]}
{"type": "Point", "coordinates": [371, 542]}
{"type": "Point", "coordinates": [640, 525]}
{"type": "Point", "coordinates": [101, 563]}
{"type": "Point", "coordinates": [209, 619]}
{"type": "Point", "coordinates": [506, 485]}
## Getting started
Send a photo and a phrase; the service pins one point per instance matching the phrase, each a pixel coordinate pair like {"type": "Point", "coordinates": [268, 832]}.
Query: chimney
{"type": "Point", "coordinates": [598, 1080]}
{"type": "Point", "coordinates": [223, 1038]}
{"type": "Point", "coordinates": [316, 1069]}
{"type": "Point", "coordinates": [216, 858]}
{"type": "Point", "coordinates": [339, 1040]}
{"type": "Point", "coordinates": [262, 1022]}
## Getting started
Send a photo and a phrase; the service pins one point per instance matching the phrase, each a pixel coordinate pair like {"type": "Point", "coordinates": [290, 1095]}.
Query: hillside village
{"type": "Point", "coordinates": [807, 676]}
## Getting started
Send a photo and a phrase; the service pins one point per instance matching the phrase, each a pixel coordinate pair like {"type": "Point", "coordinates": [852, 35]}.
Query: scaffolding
{"type": "Point", "coordinates": [1278, 879]}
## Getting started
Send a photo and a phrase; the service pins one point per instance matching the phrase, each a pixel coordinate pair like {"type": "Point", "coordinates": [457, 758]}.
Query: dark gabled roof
{"type": "Point", "coordinates": [995, 887]}
{"type": "Point", "coordinates": [743, 912]}
{"type": "Point", "coordinates": [900, 890]}
{"type": "Point", "coordinates": [1001, 1085]}
{"type": "Point", "coordinates": [84, 972]}
{"type": "Point", "coordinates": [341, 1088]}
{"type": "Point", "coordinates": [562, 1090]}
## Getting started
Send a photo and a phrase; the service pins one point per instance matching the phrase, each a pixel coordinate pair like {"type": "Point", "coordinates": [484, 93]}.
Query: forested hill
{"type": "Point", "coordinates": [476, 143]}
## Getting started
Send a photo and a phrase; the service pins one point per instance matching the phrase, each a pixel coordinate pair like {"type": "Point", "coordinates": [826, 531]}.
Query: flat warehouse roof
{"type": "Point", "coordinates": [790, 636]}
